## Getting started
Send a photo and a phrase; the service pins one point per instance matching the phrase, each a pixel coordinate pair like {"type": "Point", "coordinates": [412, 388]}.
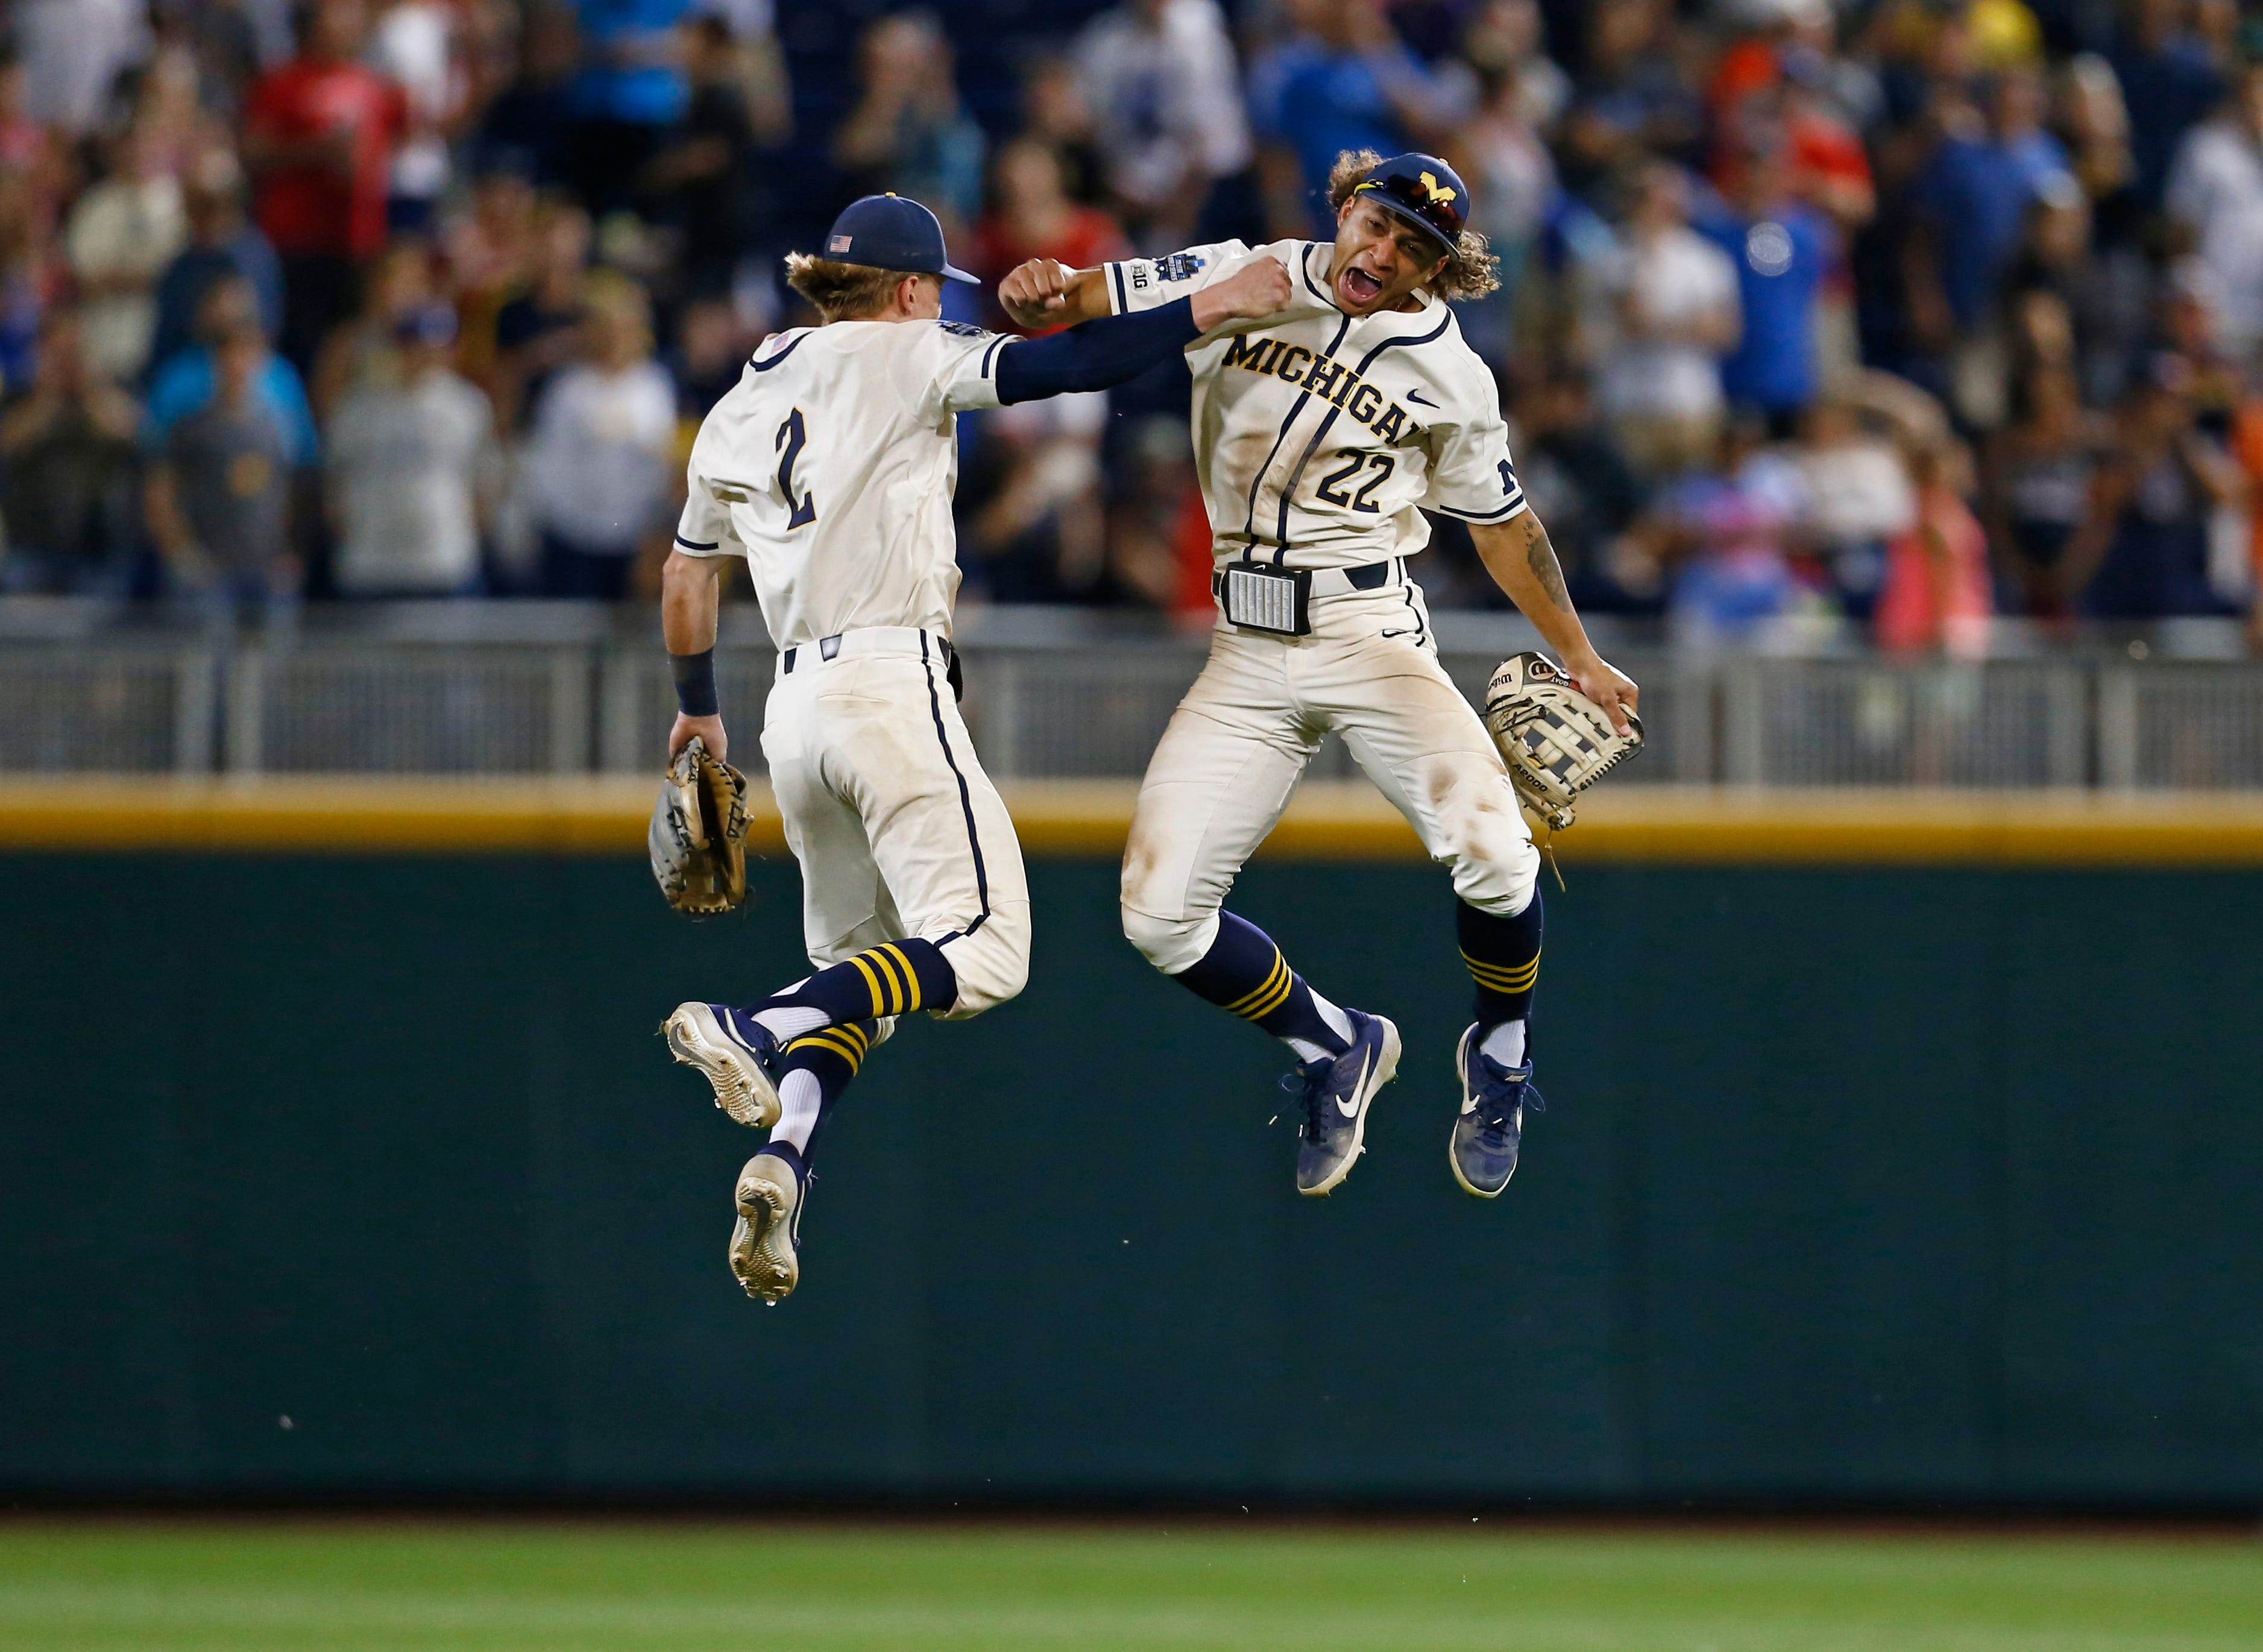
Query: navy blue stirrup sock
{"type": "Point", "coordinates": [1245, 974]}
{"type": "Point", "coordinates": [1503, 955]}
{"type": "Point", "coordinates": [830, 1055]}
{"type": "Point", "coordinates": [892, 978]}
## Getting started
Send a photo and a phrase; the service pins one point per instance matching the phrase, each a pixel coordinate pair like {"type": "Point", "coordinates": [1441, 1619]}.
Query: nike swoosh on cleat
{"type": "Point", "coordinates": [1347, 1105]}
{"type": "Point", "coordinates": [1416, 395]}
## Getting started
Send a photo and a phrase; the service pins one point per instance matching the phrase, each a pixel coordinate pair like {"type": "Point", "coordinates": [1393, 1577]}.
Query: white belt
{"type": "Point", "coordinates": [867, 639]}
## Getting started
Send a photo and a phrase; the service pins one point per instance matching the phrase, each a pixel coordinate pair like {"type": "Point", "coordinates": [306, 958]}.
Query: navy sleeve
{"type": "Point", "coordinates": [1096, 355]}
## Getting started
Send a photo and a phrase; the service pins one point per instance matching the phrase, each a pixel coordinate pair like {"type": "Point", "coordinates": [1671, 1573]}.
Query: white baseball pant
{"type": "Point", "coordinates": [1236, 746]}
{"type": "Point", "coordinates": [899, 832]}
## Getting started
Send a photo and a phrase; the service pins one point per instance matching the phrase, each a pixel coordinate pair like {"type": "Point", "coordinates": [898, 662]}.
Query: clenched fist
{"type": "Point", "coordinates": [1035, 293]}
{"type": "Point", "coordinates": [1260, 288]}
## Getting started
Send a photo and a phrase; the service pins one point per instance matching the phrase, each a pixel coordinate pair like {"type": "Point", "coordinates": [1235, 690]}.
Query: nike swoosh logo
{"type": "Point", "coordinates": [1346, 1105]}
{"type": "Point", "coordinates": [1416, 395]}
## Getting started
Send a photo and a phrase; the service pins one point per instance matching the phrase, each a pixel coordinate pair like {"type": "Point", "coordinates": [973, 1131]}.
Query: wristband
{"type": "Point", "coordinates": [695, 684]}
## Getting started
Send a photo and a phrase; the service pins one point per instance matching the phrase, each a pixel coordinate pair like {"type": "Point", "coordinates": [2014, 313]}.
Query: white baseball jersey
{"type": "Point", "coordinates": [1320, 438]}
{"type": "Point", "coordinates": [830, 466]}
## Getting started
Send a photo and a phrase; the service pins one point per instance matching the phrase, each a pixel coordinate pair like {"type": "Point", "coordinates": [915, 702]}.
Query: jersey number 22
{"type": "Point", "coordinates": [793, 437]}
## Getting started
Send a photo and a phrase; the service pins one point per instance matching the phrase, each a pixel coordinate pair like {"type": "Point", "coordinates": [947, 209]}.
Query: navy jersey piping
{"type": "Point", "coordinates": [764, 366]}
{"type": "Point", "coordinates": [693, 544]}
{"type": "Point", "coordinates": [1115, 274]}
{"type": "Point", "coordinates": [1503, 515]}
{"type": "Point", "coordinates": [1257, 482]}
{"type": "Point", "coordinates": [990, 356]}
{"type": "Point", "coordinates": [966, 800]}
{"type": "Point", "coordinates": [1288, 489]}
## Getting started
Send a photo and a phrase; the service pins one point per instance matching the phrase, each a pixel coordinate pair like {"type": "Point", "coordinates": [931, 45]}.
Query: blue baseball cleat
{"type": "Point", "coordinates": [733, 1053]}
{"type": "Point", "coordinates": [1483, 1150]}
{"type": "Point", "coordinates": [1337, 1093]}
{"type": "Point", "coordinates": [766, 1239]}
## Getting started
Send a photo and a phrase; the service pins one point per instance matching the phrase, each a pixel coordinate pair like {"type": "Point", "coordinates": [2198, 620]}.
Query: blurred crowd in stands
{"type": "Point", "coordinates": [1903, 312]}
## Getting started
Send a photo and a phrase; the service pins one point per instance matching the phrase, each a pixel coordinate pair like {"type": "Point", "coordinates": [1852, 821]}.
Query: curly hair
{"type": "Point", "coordinates": [840, 292]}
{"type": "Point", "coordinates": [1472, 270]}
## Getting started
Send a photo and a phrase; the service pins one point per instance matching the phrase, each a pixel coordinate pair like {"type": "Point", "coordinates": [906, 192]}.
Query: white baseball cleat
{"type": "Point", "coordinates": [703, 1036]}
{"type": "Point", "coordinates": [768, 1226]}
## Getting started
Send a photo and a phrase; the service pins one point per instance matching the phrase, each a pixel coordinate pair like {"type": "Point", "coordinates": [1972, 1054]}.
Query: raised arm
{"type": "Point", "coordinates": [1110, 349]}
{"type": "Point", "coordinates": [1045, 294]}
{"type": "Point", "coordinates": [1522, 563]}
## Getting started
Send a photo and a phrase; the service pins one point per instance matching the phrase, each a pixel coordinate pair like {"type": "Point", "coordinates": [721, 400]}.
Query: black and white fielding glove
{"type": "Point", "coordinates": [1556, 740]}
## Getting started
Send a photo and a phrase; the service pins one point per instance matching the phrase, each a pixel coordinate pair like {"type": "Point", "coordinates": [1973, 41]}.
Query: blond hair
{"type": "Point", "coordinates": [840, 292]}
{"type": "Point", "coordinates": [1472, 270]}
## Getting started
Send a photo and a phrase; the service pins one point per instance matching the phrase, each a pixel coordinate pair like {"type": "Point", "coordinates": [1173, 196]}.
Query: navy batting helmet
{"type": "Point", "coordinates": [1424, 191]}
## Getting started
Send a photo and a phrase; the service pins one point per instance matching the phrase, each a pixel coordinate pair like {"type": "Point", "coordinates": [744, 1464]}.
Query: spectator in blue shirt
{"type": "Point", "coordinates": [908, 134]}
{"type": "Point", "coordinates": [2143, 552]}
{"type": "Point", "coordinates": [1972, 203]}
{"type": "Point", "coordinates": [2168, 85]}
{"type": "Point", "coordinates": [1350, 84]}
{"type": "Point", "coordinates": [630, 91]}
{"type": "Point", "coordinates": [187, 383]}
{"type": "Point", "coordinates": [1779, 247]}
{"type": "Point", "coordinates": [222, 243]}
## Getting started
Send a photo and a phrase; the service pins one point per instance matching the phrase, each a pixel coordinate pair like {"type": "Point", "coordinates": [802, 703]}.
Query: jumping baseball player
{"type": "Point", "coordinates": [1320, 438]}
{"type": "Point", "coordinates": [829, 468]}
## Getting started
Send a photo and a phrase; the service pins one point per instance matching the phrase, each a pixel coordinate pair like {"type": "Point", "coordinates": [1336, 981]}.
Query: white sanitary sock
{"type": "Point", "coordinates": [789, 1022]}
{"type": "Point", "coordinates": [1339, 1023]}
{"type": "Point", "coordinates": [1505, 1043]}
{"type": "Point", "coordinates": [799, 1095]}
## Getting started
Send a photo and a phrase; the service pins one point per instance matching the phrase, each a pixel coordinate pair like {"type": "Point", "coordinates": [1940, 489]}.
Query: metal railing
{"type": "Point", "coordinates": [529, 689]}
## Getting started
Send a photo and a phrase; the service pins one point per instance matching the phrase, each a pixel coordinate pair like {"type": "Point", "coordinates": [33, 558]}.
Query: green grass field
{"type": "Point", "coordinates": [315, 1586]}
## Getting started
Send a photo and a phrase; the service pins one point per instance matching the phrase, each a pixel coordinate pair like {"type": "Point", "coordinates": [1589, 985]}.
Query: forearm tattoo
{"type": "Point", "coordinates": [1540, 556]}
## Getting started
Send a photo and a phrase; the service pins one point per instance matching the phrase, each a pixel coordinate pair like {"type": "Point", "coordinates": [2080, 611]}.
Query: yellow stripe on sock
{"type": "Point", "coordinates": [886, 966]}
{"type": "Point", "coordinates": [855, 1031]}
{"type": "Point", "coordinates": [824, 1039]}
{"type": "Point", "coordinates": [1281, 997]}
{"type": "Point", "coordinates": [872, 981]}
{"type": "Point", "coordinates": [1502, 977]}
{"type": "Point", "coordinates": [911, 977]}
{"type": "Point", "coordinates": [1241, 1006]}
{"type": "Point", "coordinates": [1517, 979]}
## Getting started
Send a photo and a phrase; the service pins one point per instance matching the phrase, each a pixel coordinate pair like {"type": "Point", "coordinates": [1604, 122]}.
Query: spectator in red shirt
{"type": "Point", "coordinates": [319, 135]}
{"type": "Point", "coordinates": [1032, 216]}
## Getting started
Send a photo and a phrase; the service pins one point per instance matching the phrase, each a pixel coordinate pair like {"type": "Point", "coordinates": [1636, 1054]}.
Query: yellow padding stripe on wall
{"type": "Point", "coordinates": [1619, 822]}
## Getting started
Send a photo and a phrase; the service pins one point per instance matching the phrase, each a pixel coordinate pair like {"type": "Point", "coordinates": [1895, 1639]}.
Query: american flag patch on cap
{"type": "Point", "coordinates": [839, 243]}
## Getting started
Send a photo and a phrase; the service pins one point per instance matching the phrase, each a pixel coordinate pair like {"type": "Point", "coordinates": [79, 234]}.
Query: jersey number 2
{"type": "Point", "coordinates": [792, 437]}
{"type": "Point", "coordinates": [1330, 487]}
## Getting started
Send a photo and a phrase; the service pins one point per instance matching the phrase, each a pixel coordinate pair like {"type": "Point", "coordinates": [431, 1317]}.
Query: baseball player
{"type": "Point", "coordinates": [1320, 438]}
{"type": "Point", "coordinates": [829, 468]}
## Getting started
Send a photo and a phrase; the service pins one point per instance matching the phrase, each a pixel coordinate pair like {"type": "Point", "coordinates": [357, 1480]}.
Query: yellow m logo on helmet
{"type": "Point", "coordinates": [1430, 188]}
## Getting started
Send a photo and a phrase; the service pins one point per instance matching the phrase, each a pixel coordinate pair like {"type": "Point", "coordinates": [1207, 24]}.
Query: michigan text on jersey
{"type": "Point", "coordinates": [1326, 379]}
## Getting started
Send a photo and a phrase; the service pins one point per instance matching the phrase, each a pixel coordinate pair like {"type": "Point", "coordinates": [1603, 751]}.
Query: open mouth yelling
{"type": "Point", "coordinates": [1358, 288]}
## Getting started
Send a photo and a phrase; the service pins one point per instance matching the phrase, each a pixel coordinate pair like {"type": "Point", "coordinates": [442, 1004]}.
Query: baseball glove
{"type": "Point", "coordinates": [699, 835]}
{"type": "Point", "coordinates": [1556, 740]}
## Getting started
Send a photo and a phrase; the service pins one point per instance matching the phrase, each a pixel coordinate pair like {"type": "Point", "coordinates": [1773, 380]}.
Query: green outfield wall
{"type": "Point", "coordinates": [1933, 1183]}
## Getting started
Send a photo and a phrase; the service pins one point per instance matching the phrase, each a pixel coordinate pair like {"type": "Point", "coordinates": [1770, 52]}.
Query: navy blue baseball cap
{"type": "Point", "coordinates": [1423, 191]}
{"type": "Point", "coordinates": [887, 231]}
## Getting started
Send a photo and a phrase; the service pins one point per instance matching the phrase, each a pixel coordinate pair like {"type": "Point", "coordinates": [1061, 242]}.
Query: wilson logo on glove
{"type": "Point", "coordinates": [1555, 741]}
